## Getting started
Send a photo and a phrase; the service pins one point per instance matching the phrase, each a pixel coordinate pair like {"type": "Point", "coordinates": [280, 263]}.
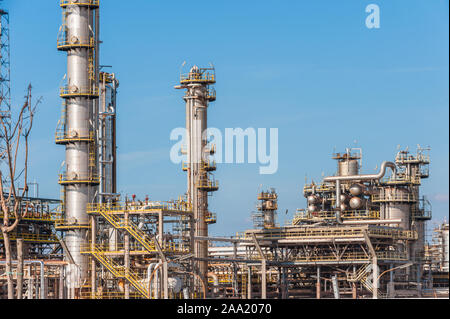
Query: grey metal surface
{"type": "Point", "coordinates": [79, 26]}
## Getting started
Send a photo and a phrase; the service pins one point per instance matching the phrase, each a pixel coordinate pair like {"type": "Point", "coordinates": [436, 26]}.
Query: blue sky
{"type": "Point", "coordinates": [309, 68]}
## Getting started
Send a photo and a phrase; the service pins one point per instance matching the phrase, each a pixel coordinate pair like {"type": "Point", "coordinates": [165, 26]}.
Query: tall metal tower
{"type": "Point", "coordinates": [78, 37]}
{"type": "Point", "coordinates": [199, 167]}
{"type": "Point", "coordinates": [5, 80]}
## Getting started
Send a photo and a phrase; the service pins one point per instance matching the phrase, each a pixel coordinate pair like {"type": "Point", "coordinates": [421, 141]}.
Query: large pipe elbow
{"type": "Point", "coordinates": [378, 176]}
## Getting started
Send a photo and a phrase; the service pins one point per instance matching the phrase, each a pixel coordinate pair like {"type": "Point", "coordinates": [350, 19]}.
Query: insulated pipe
{"type": "Point", "coordinates": [381, 221]}
{"type": "Point", "coordinates": [369, 177]}
{"type": "Point", "coordinates": [41, 263]}
{"type": "Point", "coordinates": [156, 271]}
{"type": "Point", "coordinates": [215, 282]}
{"type": "Point", "coordinates": [149, 276]}
{"type": "Point", "coordinates": [338, 202]}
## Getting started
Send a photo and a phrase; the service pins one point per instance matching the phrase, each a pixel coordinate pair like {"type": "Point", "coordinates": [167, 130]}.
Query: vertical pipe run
{"type": "Point", "coordinates": [263, 279]}
{"type": "Point", "coordinates": [318, 283]}
{"type": "Point", "coordinates": [249, 284]}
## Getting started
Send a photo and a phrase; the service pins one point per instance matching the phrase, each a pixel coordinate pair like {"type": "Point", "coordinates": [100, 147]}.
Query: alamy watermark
{"type": "Point", "coordinates": [373, 19]}
{"type": "Point", "coordinates": [230, 147]}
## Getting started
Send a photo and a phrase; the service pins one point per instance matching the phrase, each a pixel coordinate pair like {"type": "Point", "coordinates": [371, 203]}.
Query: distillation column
{"type": "Point", "coordinates": [107, 137]}
{"type": "Point", "coordinates": [78, 37]}
{"type": "Point", "coordinates": [198, 95]}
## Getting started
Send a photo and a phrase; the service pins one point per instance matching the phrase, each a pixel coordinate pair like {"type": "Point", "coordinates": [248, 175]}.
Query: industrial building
{"type": "Point", "coordinates": [360, 236]}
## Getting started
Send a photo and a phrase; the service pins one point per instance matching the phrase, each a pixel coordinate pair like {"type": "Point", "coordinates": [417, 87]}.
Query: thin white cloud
{"type": "Point", "coordinates": [440, 197]}
{"type": "Point", "coordinates": [145, 156]}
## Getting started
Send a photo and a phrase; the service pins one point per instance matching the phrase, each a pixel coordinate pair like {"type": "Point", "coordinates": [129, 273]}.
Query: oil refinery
{"type": "Point", "coordinates": [357, 236]}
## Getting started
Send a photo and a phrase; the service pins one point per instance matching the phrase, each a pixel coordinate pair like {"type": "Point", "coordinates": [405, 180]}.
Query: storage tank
{"type": "Point", "coordinates": [348, 167]}
{"type": "Point", "coordinates": [396, 211]}
{"type": "Point", "coordinates": [394, 205]}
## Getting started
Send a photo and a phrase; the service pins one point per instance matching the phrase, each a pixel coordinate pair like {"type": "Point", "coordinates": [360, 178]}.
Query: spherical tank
{"type": "Point", "coordinates": [356, 190]}
{"type": "Point", "coordinates": [356, 203]}
{"type": "Point", "coordinates": [312, 199]}
{"type": "Point", "coordinates": [344, 198]}
{"type": "Point", "coordinates": [312, 208]}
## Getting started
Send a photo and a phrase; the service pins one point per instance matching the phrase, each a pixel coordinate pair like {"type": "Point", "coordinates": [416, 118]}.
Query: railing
{"type": "Point", "coordinates": [421, 213]}
{"type": "Point", "coordinates": [61, 136]}
{"type": "Point", "coordinates": [78, 179]}
{"type": "Point", "coordinates": [395, 197]}
{"type": "Point", "coordinates": [63, 43]}
{"type": "Point", "coordinates": [147, 207]}
{"type": "Point", "coordinates": [312, 233]}
{"type": "Point", "coordinates": [65, 224]}
{"type": "Point", "coordinates": [405, 158]}
{"type": "Point", "coordinates": [402, 180]}
{"type": "Point", "coordinates": [206, 77]}
{"type": "Point", "coordinates": [139, 235]}
{"type": "Point", "coordinates": [267, 196]}
{"type": "Point", "coordinates": [354, 214]}
{"type": "Point", "coordinates": [211, 95]}
{"type": "Point", "coordinates": [211, 218]}
{"type": "Point", "coordinates": [34, 238]}
{"type": "Point", "coordinates": [109, 295]}
{"type": "Point", "coordinates": [106, 77]}
{"type": "Point", "coordinates": [318, 188]}
{"type": "Point", "coordinates": [75, 91]}
{"type": "Point", "coordinates": [393, 233]}
{"type": "Point", "coordinates": [118, 249]}
{"type": "Point", "coordinates": [346, 257]}
{"type": "Point", "coordinates": [208, 185]}
{"type": "Point", "coordinates": [35, 216]}
{"type": "Point", "coordinates": [206, 166]}
{"type": "Point", "coordinates": [90, 3]}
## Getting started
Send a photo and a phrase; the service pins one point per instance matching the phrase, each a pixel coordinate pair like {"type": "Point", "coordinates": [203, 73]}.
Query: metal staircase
{"type": "Point", "coordinates": [119, 271]}
{"type": "Point", "coordinates": [131, 228]}
{"type": "Point", "coordinates": [364, 276]}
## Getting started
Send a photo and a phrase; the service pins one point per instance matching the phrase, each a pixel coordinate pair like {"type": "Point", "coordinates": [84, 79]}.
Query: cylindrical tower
{"type": "Point", "coordinates": [348, 163]}
{"type": "Point", "coordinates": [198, 95]}
{"type": "Point", "coordinates": [78, 38]}
{"type": "Point", "coordinates": [265, 216]}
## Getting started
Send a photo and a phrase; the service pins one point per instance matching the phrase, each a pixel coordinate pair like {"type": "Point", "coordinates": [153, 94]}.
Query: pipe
{"type": "Point", "coordinates": [41, 263]}
{"type": "Point", "coordinates": [338, 202]}
{"type": "Point", "coordinates": [149, 276]}
{"type": "Point", "coordinates": [338, 179]}
{"type": "Point", "coordinates": [156, 271]}
{"type": "Point", "coordinates": [374, 221]}
{"type": "Point", "coordinates": [368, 177]}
